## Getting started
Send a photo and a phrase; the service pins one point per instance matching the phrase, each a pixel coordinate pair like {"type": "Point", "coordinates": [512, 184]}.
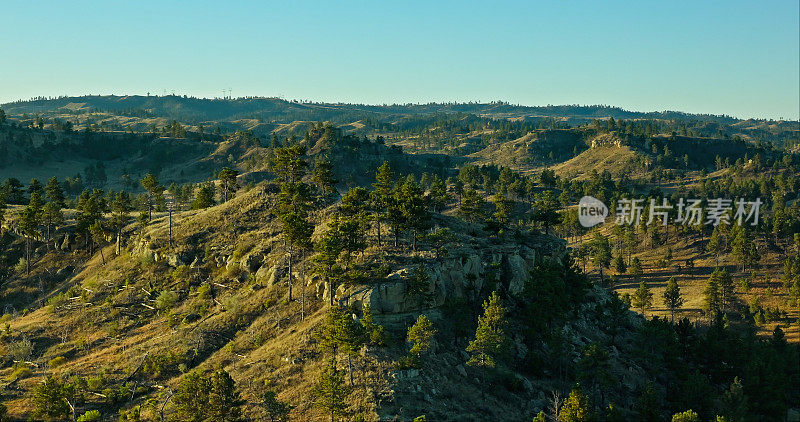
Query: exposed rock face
{"type": "Point", "coordinates": [461, 275]}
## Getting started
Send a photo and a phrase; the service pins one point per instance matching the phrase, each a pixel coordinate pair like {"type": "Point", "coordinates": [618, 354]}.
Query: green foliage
{"type": "Point", "coordinates": [642, 298]}
{"type": "Point", "coordinates": [341, 333]}
{"type": "Point", "coordinates": [719, 292]}
{"type": "Point", "coordinates": [201, 397]}
{"type": "Point", "coordinates": [166, 300]}
{"type": "Point", "coordinates": [204, 197]}
{"type": "Point", "coordinates": [636, 268]}
{"type": "Point", "coordinates": [576, 408]}
{"type": "Point", "coordinates": [228, 184]}
{"type": "Point", "coordinates": [331, 392]}
{"type": "Point", "coordinates": [490, 337]}
{"type": "Point", "coordinates": [276, 410]}
{"type": "Point", "coordinates": [375, 332]}
{"type": "Point", "coordinates": [421, 335]}
{"type": "Point", "coordinates": [323, 176]}
{"type": "Point", "coordinates": [672, 296]}
{"type": "Point", "coordinates": [89, 416]}
{"type": "Point", "coordinates": [51, 398]}
{"type": "Point", "coordinates": [472, 205]}
{"type": "Point", "coordinates": [687, 416]}
{"type": "Point", "coordinates": [56, 361]}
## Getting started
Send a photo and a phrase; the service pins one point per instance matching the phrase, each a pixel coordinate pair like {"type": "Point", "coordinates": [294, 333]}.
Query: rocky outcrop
{"type": "Point", "coordinates": [464, 274]}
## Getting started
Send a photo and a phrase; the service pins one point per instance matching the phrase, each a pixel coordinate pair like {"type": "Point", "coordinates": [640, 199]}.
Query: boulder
{"type": "Point", "coordinates": [518, 274]}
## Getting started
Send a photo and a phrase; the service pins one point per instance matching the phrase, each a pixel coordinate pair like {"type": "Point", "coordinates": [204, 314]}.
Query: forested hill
{"type": "Point", "coordinates": [277, 110]}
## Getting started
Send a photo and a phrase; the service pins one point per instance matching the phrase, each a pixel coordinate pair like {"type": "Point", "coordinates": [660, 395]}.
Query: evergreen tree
{"type": "Point", "coordinates": [53, 398]}
{"type": "Point", "coordinates": [323, 176]}
{"type": "Point", "coordinates": [98, 234]}
{"type": "Point", "coordinates": [155, 192]}
{"type": "Point", "coordinates": [576, 408]}
{"type": "Point", "coordinates": [289, 163]}
{"type": "Point", "coordinates": [30, 219]}
{"type": "Point", "coordinates": [437, 195]}
{"type": "Point", "coordinates": [636, 268]}
{"type": "Point", "coordinates": [472, 205]}
{"type": "Point", "coordinates": [331, 392]}
{"type": "Point", "coordinates": [121, 208]}
{"type": "Point", "coordinates": [204, 197]}
{"type": "Point", "coordinates": [672, 297]}
{"type": "Point", "coordinates": [619, 264]}
{"type": "Point", "coordinates": [383, 194]}
{"type": "Point", "coordinates": [600, 249]}
{"type": "Point", "coordinates": [733, 404]}
{"type": "Point", "coordinates": [642, 298]}
{"type": "Point", "coordinates": [411, 203]}
{"type": "Point", "coordinates": [326, 263]}
{"type": "Point", "coordinates": [228, 184]}
{"type": "Point", "coordinates": [503, 208]}
{"type": "Point", "coordinates": [54, 192]}
{"type": "Point", "coordinates": [340, 333]}
{"type": "Point", "coordinates": [224, 401]}
{"type": "Point", "coordinates": [421, 335]}
{"type": "Point", "coordinates": [52, 216]}
{"type": "Point", "coordinates": [490, 336]}
{"type": "Point", "coordinates": [191, 397]}
{"type": "Point", "coordinates": [546, 211]}
{"type": "Point", "coordinates": [277, 411]}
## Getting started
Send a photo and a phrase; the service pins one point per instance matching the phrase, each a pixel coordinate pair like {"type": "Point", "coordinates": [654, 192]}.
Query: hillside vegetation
{"type": "Point", "coordinates": [238, 260]}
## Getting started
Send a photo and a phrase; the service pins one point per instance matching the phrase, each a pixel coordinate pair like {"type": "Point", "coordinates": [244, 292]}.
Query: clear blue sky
{"type": "Point", "coordinates": [723, 57]}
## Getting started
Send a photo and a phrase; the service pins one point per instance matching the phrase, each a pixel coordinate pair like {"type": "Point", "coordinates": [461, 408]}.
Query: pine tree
{"type": "Point", "coordinates": [277, 411]}
{"type": "Point", "coordinates": [642, 298]}
{"type": "Point", "coordinates": [437, 195]}
{"type": "Point", "coordinates": [323, 176]}
{"type": "Point", "coordinates": [619, 264]}
{"type": "Point", "coordinates": [472, 205]}
{"type": "Point", "coordinates": [228, 184]}
{"type": "Point", "coordinates": [576, 407]}
{"type": "Point", "coordinates": [672, 297]}
{"type": "Point", "coordinates": [155, 192]}
{"type": "Point", "coordinates": [30, 219]}
{"type": "Point", "coordinates": [121, 208]}
{"type": "Point", "coordinates": [53, 192]}
{"type": "Point", "coordinates": [503, 208]}
{"type": "Point", "coordinates": [411, 204]}
{"type": "Point", "coordinates": [636, 268]}
{"type": "Point", "coordinates": [490, 337]}
{"type": "Point", "coordinates": [204, 197]}
{"type": "Point", "coordinates": [224, 402]}
{"type": "Point", "coordinates": [331, 392]}
{"type": "Point", "coordinates": [383, 194]}
{"type": "Point", "coordinates": [340, 333]}
{"type": "Point", "coordinates": [98, 234]}
{"type": "Point", "coordinates": [734, 406]}
{"type": "Point", "coordinates": [600, 249]}
{"type": "Point", "coordinates": [421, 335]}
{"type": "Point", "coordinates": [191, 397]}
{"type": "Point", "coordinates": [52, 216]}
{"type": "Point", "coordinates": [52, 398]}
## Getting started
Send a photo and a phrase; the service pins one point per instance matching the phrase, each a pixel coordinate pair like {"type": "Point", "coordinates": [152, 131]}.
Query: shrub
{"type": "Point", "coordinates": [21, 370]}
{"type": "Point", "coordinates": [21, 265]}
{"type": "Point", "coordinates": [21, 350]}
{"type": "Point", "coordinates": [166, 300]}
{"type": "Point", "coordinates": [56, 361]}
{"type": "Point", "coordinates": [89, 416]}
